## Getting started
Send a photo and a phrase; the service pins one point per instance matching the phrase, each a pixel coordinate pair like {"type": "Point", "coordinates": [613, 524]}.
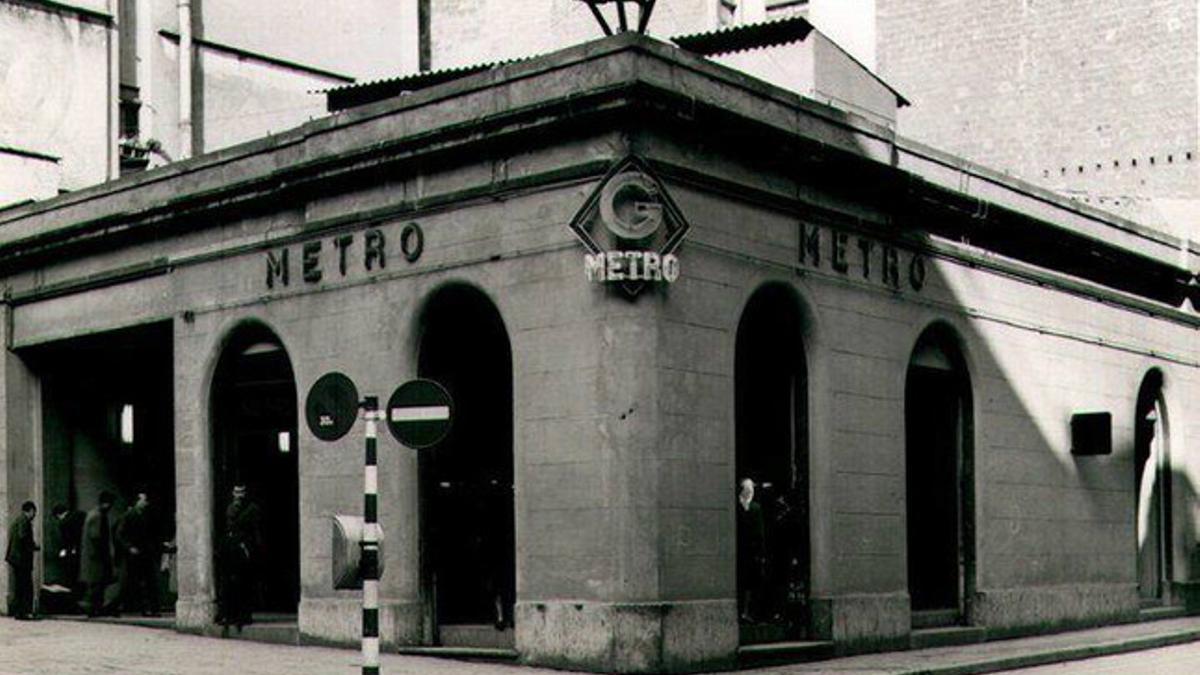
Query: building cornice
{"type": "Point", "coordinates": [628, 82]}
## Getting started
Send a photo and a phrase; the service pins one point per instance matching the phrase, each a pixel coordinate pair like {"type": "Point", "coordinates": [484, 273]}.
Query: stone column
{"type": "Point", "coordinates": [18, 437]}
{"type": "Point", "coordinates": [196, 607]}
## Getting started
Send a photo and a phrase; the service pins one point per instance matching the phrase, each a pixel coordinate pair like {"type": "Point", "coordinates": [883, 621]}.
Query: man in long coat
{"type": "Point", "coordinates": [19, 556]}
{"type": "Point", "coordinates": [240, 553]}
{"type": "Point", "coordinates": [95, 560]}
{"type": "Point", "coordinates": [139, 553]}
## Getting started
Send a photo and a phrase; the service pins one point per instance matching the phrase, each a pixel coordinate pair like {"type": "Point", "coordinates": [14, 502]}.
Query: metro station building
{"type": "Point", "coordinates": [892, 342]}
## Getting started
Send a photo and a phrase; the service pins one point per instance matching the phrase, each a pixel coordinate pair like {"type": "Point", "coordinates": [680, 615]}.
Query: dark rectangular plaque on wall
{"type": "Point", "coordinates": [1091, 433]}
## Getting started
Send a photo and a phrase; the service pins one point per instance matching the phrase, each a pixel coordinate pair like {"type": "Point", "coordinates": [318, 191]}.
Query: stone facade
{"type": "Point", "coordinates": [624, 426]}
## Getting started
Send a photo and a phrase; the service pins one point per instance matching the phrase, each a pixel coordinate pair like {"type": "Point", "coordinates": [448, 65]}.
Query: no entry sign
{"type": "Point", "coordinates": [331, 407]}
{"type": "Point", "coordinates": [418, 413]}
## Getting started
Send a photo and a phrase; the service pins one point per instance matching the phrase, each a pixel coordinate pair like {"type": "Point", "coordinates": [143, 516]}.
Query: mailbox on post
{"type": "Point", "coordinates": [347, 552]}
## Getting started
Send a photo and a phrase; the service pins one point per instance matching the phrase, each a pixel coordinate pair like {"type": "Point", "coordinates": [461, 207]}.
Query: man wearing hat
{"type": "Point", "coordinates": [19, 556]}
{"type": "Point", "coordinates": [241, 549]}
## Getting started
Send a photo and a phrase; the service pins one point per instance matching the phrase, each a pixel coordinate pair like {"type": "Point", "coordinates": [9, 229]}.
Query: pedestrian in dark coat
{"type": "Point", "coordinates": [139, 550]}
{"type": "Point", "coordinates": [19, 556]}
{"type": "Point", "coordinates": [240, 552]}
{"type": "Point", "coordinates": [95, 560]}
{"type": "Point", "coordinates": [751, 552]}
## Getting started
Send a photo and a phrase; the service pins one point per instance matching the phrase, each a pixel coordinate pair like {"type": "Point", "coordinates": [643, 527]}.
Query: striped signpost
{"type": "Point", "coordinates": [418, 415]}
{"type": "Point", "coordinates": [370, 544]}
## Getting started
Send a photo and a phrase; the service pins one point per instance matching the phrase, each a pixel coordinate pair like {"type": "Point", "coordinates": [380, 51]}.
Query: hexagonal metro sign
{"type": "Point", "coordinates": [631, 228]}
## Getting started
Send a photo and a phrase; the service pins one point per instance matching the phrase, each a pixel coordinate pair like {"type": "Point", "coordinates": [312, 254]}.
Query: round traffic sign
{"type": "Point", "coordinates": [331, 407]}
{"type": "Point", "coordinates": [418, 413]}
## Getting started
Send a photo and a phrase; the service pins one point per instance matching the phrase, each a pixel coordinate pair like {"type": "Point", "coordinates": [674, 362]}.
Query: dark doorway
{"type": "Point", "coordinates": [771, 403]}
{"type": "Point", "coordinates": [254, 442]}
{"type": "Point", "coordinates": [938, 432]}
{"type": "Point", "coordinates": [1153, 490]}
{"type": "Point", "coordinates": [468, 556]}
{"type": "Point", "coordinates": [107, 425]}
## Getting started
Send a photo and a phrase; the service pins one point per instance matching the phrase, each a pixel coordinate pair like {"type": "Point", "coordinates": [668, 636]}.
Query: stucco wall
{"type": "Point", "coordinates": [244, 100]}
{"type": "Point", "coordinates": [367, 39]}
{"type": "Point", "coordinates": [24, 177]}
{"type": "Point", "coordinates": [54, 97]}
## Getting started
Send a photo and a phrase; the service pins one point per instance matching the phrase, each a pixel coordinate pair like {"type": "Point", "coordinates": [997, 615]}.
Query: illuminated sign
{"type": "Point", "coordinates": [631, 229]}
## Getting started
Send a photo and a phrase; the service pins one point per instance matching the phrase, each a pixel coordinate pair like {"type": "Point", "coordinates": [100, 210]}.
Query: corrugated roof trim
{"type": "Point", "coordinates": [746, 36]}
{"type": "Point", "coordinates": [351, 95]}
{"type": "Point", "coordinates": [771, 33]}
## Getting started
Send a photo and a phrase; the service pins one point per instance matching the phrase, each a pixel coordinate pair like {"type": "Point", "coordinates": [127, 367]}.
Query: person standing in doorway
{"type": "Point", "coordinates": [19, 556]}
{"type": "Point", "coordinates": [751, 552]}
{"type": "Point", "coordinates": [139, 550]}
{"type": "Point", "coordinates": [240, 552]}
{"type": "Point", "coordinates": [95, 560]}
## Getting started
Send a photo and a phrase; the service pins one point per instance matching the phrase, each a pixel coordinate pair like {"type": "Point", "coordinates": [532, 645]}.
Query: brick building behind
{"type": "Point", "coordinates": [1098, 99]}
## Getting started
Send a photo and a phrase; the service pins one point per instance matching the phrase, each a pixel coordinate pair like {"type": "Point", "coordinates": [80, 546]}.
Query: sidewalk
{"type": "Point", "coordinates": [79, 647]}
{"type": "Point", "coordinates": [76, 647]}
{"type": "Point", "coordinates": [990, 657]}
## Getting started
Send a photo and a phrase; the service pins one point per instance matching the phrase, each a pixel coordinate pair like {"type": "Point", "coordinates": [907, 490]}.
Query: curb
{"type": "Point", "coordinates": [1061, 655]}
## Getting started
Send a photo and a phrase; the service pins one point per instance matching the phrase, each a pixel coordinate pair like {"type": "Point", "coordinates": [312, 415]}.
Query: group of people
{"type": "Point", "coordinates": [94, 552]}
{"type": "Point", "coordinates": [129, 552]}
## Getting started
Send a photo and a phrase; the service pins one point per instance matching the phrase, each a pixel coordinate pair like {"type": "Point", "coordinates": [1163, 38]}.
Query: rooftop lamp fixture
{"type": "Point", "coordinates": [644, 7]}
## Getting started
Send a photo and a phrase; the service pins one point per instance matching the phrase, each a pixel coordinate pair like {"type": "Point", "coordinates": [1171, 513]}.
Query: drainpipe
{"type": "Point", "coordinates": [113, 130]}
{"type": "Point", "coordinates": [145, 75]}
{"type": "Point", "coordinates": [185, 79]}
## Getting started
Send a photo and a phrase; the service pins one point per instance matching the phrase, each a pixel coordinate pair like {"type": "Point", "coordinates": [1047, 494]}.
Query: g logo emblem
{"type": "Point", "coordinates": [630, 206]}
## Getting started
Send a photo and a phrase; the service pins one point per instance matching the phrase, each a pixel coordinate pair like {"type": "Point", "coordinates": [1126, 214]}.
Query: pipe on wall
{"type": "Point", "coordinates": [114, 93]}
{"type": "Point", "coordinates": [186, 144]}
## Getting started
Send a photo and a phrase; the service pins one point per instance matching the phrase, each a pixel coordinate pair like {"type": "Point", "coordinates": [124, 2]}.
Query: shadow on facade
{"type": "Point", "coordinates": [946, 401]}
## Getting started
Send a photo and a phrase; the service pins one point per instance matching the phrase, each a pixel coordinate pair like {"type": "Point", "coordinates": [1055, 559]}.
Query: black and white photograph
{"type": "Point", "coordinates": [521, 337]}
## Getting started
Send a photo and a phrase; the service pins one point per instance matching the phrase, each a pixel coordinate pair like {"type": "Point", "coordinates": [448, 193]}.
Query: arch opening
{"type": "Point", "coordinates": [1152, 484]}
{"type": "Point", "coordinates": [771, 422]}
{"type": "Point", "coordinates": [254, 432]}
{"type": "Point", "coordinates": [939, 479]}
{"type": "Point", "coordinates": [467, 497]}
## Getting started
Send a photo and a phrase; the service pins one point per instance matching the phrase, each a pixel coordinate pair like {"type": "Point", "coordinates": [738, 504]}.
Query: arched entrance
{"type": "Point", "coordinates": [939, 479]}
{"type": "Point", "coordinates": [771, 421]}
{"type": "Point", "coordinates": [1153, 489]}
{"type": "Point", "coordinates": [468, 551]}
{"type": "Point", "coordinates": [254, 443]}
